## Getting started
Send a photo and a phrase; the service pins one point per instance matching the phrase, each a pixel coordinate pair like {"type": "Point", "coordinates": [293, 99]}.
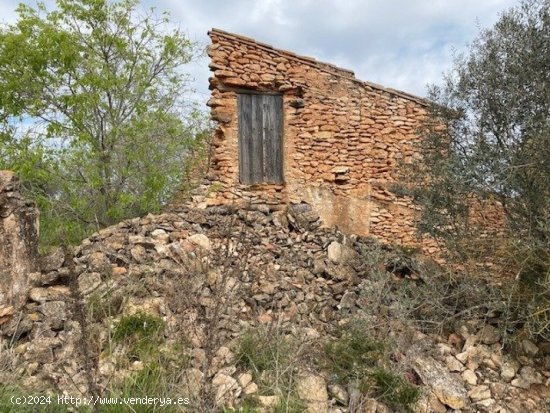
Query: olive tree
{"type": "Point", "coordinates": [495, 141]}
{"type": "Point", "coordinates": [93, 110]}
{"type": "Point", "coordinates": [488, 137]}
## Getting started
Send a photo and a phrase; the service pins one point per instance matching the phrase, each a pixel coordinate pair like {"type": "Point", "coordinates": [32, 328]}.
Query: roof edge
{"type": "Point", "coordinates": [327, 67]}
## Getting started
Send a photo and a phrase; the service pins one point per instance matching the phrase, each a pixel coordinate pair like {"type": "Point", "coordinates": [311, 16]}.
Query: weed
{"type": "Point", "coordinates": [141, 325]}
{"type": "Point", "coordinates": [393, 390]}
{"type": "Point", "coordinates": [357, 359]}
{"type": "Point", "coordinates": [273, 358]}
{"type": "Point", "coordinates": [352, 355]}
{"type": "Point", "coordinates": [259, 351]}
{"type": "Point", "coordinates": [103, 306]}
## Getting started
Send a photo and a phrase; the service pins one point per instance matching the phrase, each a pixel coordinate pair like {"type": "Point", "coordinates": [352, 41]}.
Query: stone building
{"type": "Point", "coordinates": [292, 129]}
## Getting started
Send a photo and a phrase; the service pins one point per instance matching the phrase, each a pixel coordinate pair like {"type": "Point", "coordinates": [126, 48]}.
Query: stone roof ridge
{"type": "Point", "coordinates": [329, 67]}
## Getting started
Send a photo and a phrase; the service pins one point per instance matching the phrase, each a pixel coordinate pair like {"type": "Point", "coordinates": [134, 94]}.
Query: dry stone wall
{"type": "Point", "coordinates": [344, 139]}
{"type": "Point", "coordinates": [18, 244]}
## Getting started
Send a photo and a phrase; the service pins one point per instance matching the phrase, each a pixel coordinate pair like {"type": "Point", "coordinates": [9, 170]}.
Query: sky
{"type": "Point", "coordinates": [402, 44]}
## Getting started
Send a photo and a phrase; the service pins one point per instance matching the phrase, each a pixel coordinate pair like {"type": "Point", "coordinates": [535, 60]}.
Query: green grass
{"type": "Point", "coordinates": [355, 358]}
{"type": "Point", "coordinates": [140, 325]}
{"type": "Point", "coordinates": [272, 359]}
{"type": "Point", "coordinates": [394, 390]}
{"type": "Point", "coordinates": [262, 350]}
{"type": "Point", "coordinates": [352, 356]}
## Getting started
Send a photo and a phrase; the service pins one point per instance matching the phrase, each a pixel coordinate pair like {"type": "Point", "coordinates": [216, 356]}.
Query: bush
{"type": "Point", "coordinates": [485, 142]}
{"type": "Point", "coordinates": [140, 325]}
{"type": "Point", "coordinates": [274, 360]}
{"type": "Point", "coordinates": [358, 360]}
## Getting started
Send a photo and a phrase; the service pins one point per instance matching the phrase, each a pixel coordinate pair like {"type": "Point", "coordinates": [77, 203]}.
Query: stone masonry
{"type": "Point", "coordinates": [18, 244]}
{"type": "Point", "coordinates": [343, 139]}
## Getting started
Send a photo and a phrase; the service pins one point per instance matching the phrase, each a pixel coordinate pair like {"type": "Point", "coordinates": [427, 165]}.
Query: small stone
{"type": "Point", "coordinates": [528, 374]}
{"type": "Point", "coordinates": [312, 389]}
{"type": "Point", "coordinates": [341, 254]}
{"type": "Point", "coordinates": [489, 335]}
{"type": "Point", "coordinates": [529, 348]}
{"type": "Point", "coordinates": [508, 370]}
{"type": "Point", "coordinates": [469, 377]}
{"type": "Point", "coordinates": [244, 379]}
{"type": "Point", "coordinates": [446, 387]}
{"type": "Point", "coordinates": [480, 393]}
{"type": "Point", "coordinates": [453, 364]}
{"type": "Point", "coordinates": [200, 240]}
{"type": "Point", "coordinates": [137, 366]}
{"type": "Point", "coordinates": [224, 385]}
{"type": "Point", "coordinates": [138, 253]}
{"type": "Point", "coordinates": [444, 349]}
{"type": "Point", "coordinates": [268, 401]}
{"type": "Point", "coordinates": [339, 393]}
{"type": "Point", "coordinates": [462, 357]}
{"type": "Point", "coordinates": [118, 271]}
{"type": "Point", "coordinates": [88, 282]}
{"type": "Point", "coordinates": [54, 261]}
{"type": "Point", "coordinates": [53, 293]}
{"type": "Point", "coordinates": [251, 388]}
{"type": "Point", "coordinates": [486, 404]}
{"type": "Point", "coordinates": [193, 378]}
{"type": "Point", "coordinates": [54, 313]}
{"type": "Point", "coordinates": [98, 262]}
{"type": "Point", "coordinates": [160, 235]}
{"type": "Point", "coordinates": [348, 300]}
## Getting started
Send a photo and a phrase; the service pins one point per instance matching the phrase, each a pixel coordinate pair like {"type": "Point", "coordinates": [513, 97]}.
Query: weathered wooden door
{"type": "Point", "coordinates": [260, 138]}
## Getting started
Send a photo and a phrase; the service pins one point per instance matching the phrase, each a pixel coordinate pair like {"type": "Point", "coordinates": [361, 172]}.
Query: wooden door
{"type": "Point", "coordinates": [260, 138]}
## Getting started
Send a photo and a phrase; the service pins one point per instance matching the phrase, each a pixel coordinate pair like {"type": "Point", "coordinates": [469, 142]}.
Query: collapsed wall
{"type": "Point", "coordinates": [18, 243]}
{"type": "Point", "coordinates": [343, 139]}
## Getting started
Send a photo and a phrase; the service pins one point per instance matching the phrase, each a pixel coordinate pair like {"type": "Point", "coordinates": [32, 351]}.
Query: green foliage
{"type": "Point", "coordinates": [273, 360]}
{"type": "Point", "coordinates": [103, 306]}
{"type": "Point", "coordinates": [352, 356]}
{"type": "Point", "coordinates": [93, 115]}
{"type": "Point", "coordinates": [260, 351]}
{"type": "Point", "coordinates": [290, 405]}
{"type": "Point", "coordinates": [355, 358]}
{"type": "Point", "coordinates": [251, 404]}
{"type": "Point", "coordinates": [487, 138]}
{"type": "Point", "coordinates": [394, 390]}
{"type": "Point", "coordinates": [140, 326]}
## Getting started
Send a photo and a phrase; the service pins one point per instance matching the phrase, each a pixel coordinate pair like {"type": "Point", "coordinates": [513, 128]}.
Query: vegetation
{"type": "Point", "coordinates": [274, 359]}
{"type": "Point", "coordinates": [356, 359]}
{"type": "Point", "coordinates": [140, 325]}
{"type": "Point", "coordinates": [93, 115]}
{"type": "Point", "coordinates": [486, 141]}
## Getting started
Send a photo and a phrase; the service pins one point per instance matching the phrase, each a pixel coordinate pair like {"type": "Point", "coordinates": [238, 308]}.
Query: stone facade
{"type": "Point", "coordinates": [344, 139]}
{"type": "Point", "coordinates": [18, 243]}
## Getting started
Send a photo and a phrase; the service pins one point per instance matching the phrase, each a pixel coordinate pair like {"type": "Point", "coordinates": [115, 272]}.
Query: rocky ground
{"type": "Point", "coordinates": [204, 278]}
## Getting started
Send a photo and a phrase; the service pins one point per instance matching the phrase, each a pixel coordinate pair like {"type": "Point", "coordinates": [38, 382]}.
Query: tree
{"type": "Point", "coordinates": [488, 137]}
{"type": "Point", "coordinates": [495, 108]}
{"type": "Point", "coordinates": [93, 111]}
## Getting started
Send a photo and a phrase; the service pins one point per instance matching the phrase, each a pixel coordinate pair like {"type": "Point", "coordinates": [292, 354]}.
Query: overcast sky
{"type": "Point", "coordinates": [404, 44]}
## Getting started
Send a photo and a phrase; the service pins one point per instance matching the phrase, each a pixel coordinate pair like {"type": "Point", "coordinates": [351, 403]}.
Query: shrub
{"type": "Point", "coordinates": [139, 325]}
{"type": "Point", "coordinates": [273, 358]}
{"type": "Point", "coordinates": [358, 360]}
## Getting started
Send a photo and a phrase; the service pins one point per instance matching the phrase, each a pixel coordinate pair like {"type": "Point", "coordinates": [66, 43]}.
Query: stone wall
{"type": "Point", "coordinates": [18, 243]}
{"type": "Point", "coordinates": [344, 139]}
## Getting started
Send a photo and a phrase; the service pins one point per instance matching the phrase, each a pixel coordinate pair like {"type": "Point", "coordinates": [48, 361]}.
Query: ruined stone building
{"type": "Point", "coordinates": [293, 129]}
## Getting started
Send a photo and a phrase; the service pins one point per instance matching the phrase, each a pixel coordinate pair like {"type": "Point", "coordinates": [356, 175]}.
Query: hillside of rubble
{"type": "Point", "coordinates": [263, 309]}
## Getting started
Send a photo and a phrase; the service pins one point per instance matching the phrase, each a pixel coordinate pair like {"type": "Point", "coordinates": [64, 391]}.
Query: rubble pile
{"type": "Point", "coordinates": [209, 275]}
